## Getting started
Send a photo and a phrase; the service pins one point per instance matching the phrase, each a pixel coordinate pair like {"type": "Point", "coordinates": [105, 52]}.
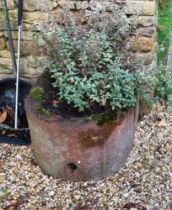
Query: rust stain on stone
{"type": "Point", "coordinates": [92, 137]}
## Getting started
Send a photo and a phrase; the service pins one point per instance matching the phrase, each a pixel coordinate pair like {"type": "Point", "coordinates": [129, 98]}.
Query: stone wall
{"type": "Point", "coordinates": [143, 44]}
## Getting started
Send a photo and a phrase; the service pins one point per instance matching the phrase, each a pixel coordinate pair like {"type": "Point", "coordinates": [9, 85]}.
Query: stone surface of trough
{"type": "Point", "coordinates": [77, 149]}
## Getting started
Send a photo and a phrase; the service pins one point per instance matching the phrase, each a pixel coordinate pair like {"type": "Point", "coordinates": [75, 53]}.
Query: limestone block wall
{"type": "Point", "coordinates": [142, 45]}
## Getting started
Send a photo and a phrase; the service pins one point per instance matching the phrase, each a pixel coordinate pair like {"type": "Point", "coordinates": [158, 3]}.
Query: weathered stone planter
{"type": "Point", "coordinates": [77, 149]}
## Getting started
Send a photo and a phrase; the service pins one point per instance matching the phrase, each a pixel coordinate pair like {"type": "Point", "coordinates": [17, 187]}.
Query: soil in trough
{"type": "Point", "coordinates": [51, 104]}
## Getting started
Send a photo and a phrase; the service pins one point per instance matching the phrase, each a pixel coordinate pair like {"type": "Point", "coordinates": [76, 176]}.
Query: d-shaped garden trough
{"type": "Point", "coordinates": [78, 149]}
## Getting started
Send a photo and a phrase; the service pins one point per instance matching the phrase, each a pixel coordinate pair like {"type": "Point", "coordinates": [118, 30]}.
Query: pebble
{"type": "Point", "coordinates": [51, 193]}
{"type": "Point", "coordinates": [77, 197]}
{"type": "Point", "coordinates": [2, 194]}
{"type": "Point", "coordinates": [126, 195]}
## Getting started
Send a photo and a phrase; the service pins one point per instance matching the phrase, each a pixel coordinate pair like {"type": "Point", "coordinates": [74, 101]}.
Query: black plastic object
{"type": "Point", "coordinates": [7, 97]}
{"type": "Point", "coordinates": [20, 12]}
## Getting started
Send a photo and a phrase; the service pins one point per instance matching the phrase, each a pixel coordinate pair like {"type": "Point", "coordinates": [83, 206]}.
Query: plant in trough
{"type": "Point", "coordinates": [89, 64]}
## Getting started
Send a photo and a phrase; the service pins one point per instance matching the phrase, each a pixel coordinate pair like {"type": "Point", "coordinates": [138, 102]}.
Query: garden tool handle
{"type": "Point", "coordinates": [20, 20]}
{"type": "Point", "coordinates": [10, 40]}
{"type": "Point", "coordinates": [20, 12]}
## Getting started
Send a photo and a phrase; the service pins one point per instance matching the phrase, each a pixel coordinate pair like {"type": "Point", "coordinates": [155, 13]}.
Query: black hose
{"type": "Point", "coordinates": [8, 27]}
{"type": "Point", "coordinates": [20, 12]}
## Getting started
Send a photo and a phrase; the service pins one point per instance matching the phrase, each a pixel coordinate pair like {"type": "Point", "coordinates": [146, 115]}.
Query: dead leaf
{"type": "Point", "coordinates": [79, 207]}
{"type": "Point", "coordinates": [162, 123]}
{"type": "Point", "coordinates": [55, 103]}
{"type": "Point", "coordinates": [12, 206]}
{"type": "Point", "coordinates": [160, 28]}
{"type": "Point", "coordinates": [3, 132]}
{"type": "Point", "coordinates": [3, 116]}
{"type": "Point", "coordinates": [20, 200]}
{"type": "Point", "coordinates": [1, 165]}
{"type": "Point", "coordinates": [33, 163]}
{"type": "Point", "coordinates": [163, 4]}
{"type": "Point", "coordinates": [12, 135]}
{"type": "Point", "coordinates": [10, 111]}
{"type": "Point", "coordinates": [129, 205]}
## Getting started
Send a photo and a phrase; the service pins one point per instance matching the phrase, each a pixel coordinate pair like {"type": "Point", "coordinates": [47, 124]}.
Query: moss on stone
{"type": "Point", "coordinates": [37, 94]}
{"type": "Point", "coordinates": [107, 116]}
{"type": "Point", "coordinates": [44, 112]}
{"type": "Point", "coordinates": [104, 117]}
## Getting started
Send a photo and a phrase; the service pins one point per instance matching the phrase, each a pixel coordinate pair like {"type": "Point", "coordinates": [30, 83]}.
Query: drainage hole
{"type": "Point", "coordinates": [72, 167]}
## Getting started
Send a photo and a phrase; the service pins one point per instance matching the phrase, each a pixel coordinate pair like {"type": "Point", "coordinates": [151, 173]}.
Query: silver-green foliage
{"type": "Point", "coordinates": [86, 66]}
{"type": "Point", "coordinates": [163, 83]}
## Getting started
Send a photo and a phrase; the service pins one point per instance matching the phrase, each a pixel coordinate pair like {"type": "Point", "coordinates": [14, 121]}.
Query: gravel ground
{"type": "Point", "coordinates": [144, 183]}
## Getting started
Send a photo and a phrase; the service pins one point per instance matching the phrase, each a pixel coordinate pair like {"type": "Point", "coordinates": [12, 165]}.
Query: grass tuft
{"type": "Point", "coordinates": [164, 29]}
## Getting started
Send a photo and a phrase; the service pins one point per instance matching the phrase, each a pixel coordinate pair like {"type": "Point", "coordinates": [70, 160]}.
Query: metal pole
{"type": "Point", "coordinates": [20, 19]}
{"type": "Point", "coordinates": [17, 76]}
